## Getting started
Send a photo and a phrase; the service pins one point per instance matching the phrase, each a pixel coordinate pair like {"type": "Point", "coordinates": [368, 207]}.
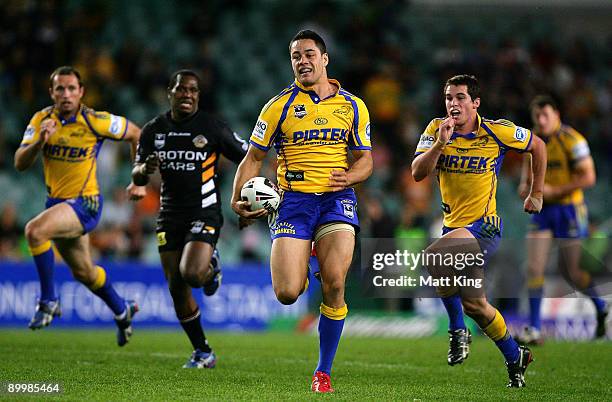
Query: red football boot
{"type": "Point", "coordinates": [321, 382]}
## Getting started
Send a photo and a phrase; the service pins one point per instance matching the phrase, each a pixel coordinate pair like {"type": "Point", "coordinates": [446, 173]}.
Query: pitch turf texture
{"type": "Point", "coordinates": [278, 366]}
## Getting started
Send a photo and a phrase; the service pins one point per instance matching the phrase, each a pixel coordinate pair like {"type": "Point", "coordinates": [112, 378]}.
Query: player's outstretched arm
{"type": "Point", "coordinates": [533, 202]}
{"type": "Point", "coordinates": [247, 169]}
{"type": "Point", "coordinates": [359, 171]}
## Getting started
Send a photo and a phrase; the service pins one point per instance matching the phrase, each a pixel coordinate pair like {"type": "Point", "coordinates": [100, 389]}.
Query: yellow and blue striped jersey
{"type": "Point", "coordinates": [565, 148]}
{"type": "Point", "coordinates": [311, 135]}
{"type": "Point", "coordinates": [469, 165]}
{"type": "Point", "coordinates": [69, 156]}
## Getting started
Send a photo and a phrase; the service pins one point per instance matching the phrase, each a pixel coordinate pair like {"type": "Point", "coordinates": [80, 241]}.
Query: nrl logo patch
{"type": "Point", "coordinates": [160, 140]}
{"type": "Point", "coordinates": [200, 141]}
{"type": "Point", "coordinates": [299, 111]}
{"type": "Point", "coordinates": [319, 121]}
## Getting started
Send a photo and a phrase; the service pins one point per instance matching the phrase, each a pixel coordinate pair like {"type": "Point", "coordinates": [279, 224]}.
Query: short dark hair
{"type": "Point", "coordinates": [470, 81]}
{"type": "Point", "coordinates": [65, 70]}
{"type": "Point", "coordinates": [542, 100]}
{"type": "Point", "coordinates": [183, 72]}
{"type": "Point", "coordinates": [308, 34]}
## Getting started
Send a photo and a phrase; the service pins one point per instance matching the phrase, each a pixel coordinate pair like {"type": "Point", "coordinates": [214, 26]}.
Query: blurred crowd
{"type": "Point", "coordinates": [378, 51]}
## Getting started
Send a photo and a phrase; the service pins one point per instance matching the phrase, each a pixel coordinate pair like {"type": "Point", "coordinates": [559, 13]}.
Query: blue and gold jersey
{"type": "Point", "coordinates": [311, 135]}
{"type": "Point", "coordinates": [69, 157]}
{"type": "Point", "coordinates": [469, 165]}
{"type": "Point", "coordinates": [565, 148]}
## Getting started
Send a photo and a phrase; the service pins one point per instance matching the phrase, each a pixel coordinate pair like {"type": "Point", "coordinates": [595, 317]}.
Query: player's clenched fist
{"type": "Point", "coordinates": [445, 130]}
{"type": "Point", "coordinates": [533, 203]}
{"type": "Point", "coordinates": [47, 129]}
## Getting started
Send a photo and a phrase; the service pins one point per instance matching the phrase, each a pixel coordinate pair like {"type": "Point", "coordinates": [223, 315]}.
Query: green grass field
{"type": "Point", "coordinates": [278, 366]}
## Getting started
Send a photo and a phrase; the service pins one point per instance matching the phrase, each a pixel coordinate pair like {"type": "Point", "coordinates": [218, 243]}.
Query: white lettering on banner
{"type": "Point", "coordinates": [234, 303]}
{"type": "Point", "coordinates": [244, 302]}
{"type": "Point", "coordinates": [18, 300]}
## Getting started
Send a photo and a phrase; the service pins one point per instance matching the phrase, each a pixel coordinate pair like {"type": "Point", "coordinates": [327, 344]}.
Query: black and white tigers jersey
{"type": "Point", "coordinates": [189, 152]}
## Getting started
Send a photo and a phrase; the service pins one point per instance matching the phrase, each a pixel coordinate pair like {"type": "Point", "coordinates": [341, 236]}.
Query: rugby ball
{"type": "Point", "coordinates": [261, 193]}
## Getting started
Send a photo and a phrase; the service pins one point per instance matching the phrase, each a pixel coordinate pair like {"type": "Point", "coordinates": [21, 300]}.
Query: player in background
{"type": "Point", "coordinates": [467, 151]}
{"type": "Point", "coordinates": [312, 124]}
{"type": "Point", "coordinates": [186, 144]}
{"type": "Point", "coordinates": [69, 136]}
{"type": "Point", "coordinates": [563, 216]}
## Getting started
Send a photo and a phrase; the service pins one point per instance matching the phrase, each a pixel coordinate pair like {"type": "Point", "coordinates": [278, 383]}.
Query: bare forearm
{"type": "Point", "coordinates": [526, 171]}
{"type": "Point", "coordinates": [360, 170]}
{"type": "Point", "coordinates": [538, 165]}
{"type": "Point", "coordinates": [25, 156]}
{"type": "Point", "coordinates": [425, 163]}
{"type": "Point", "coordinates": [247, 169]}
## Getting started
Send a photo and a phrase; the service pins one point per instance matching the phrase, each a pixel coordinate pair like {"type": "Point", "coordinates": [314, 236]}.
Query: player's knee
{"type": "Point", "coordinates": [474, 307]}
{"type": "Point", "coordinates": [333, 286]}
{"type": "Point", "coordinates": [194, 276]}
{"type": "Point", "coordinates": [286, 295]}
{"type": "Point", "coordinates": [34, 233]}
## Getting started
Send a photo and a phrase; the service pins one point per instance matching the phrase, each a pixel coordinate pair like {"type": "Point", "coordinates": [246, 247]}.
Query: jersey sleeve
{"type": "Point", "coordinates": [359, 137]}
{"type": "Point", "coordinates": [512, 136]}
{"type": "Point", "coordinates": [145, 144]}
{"type": "Point", "coordinates": [108, 125]}
{"type": "Point", "coordinates": [577, 146]}
{"type": "Point", "coordinates": [232, 145]}
{"type": "Point", "coordinates": [32, 131]}
{"type": "Point", "coordinates": [428, 138]}
{"type": "Point", "coordinates": [267, 124]}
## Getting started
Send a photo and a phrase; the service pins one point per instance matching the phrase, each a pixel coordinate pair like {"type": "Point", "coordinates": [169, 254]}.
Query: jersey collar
{"type": "Point", "coordinates": [313, 95]}
{"type": "Point", "coordinates": [73, 119]}
{"type": "Point", "coordinates": [472, 135]}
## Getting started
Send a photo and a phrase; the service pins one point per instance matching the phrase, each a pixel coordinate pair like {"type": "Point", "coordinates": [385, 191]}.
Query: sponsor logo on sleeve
{"type": "Point", "coordinates": [426, 141]}
{"type": "Point", "coordinates": [367, 131]}
{"type": "Point", "coordinates": [580, 150]}
{"type": "Point", "coordinates": [260, 129]}
{"type": "Point", "coordinates": [29, 133]}
{"type": "Point", "coordinates": [115, 125]}
{"type": "Point", "coordinates": [520, 134]}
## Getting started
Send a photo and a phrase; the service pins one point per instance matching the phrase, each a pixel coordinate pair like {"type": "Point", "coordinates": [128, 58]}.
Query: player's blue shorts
{"type": "Point", "coordinates": [487, 231]}
{"type": "Point", "coordinates": [88, 209]}
{"type": "Point", "coordinates": [568, 221]}
{"type": "Point", "coordinates": [300, 214]}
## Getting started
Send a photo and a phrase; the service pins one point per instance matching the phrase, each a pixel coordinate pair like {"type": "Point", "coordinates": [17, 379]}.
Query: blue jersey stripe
{"type": "Point", "coordinates": [283, 115]}
{"type": "Point", "coordinates": [259, 146]}
{"type": "Point", "coordinates": [349, 98]}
